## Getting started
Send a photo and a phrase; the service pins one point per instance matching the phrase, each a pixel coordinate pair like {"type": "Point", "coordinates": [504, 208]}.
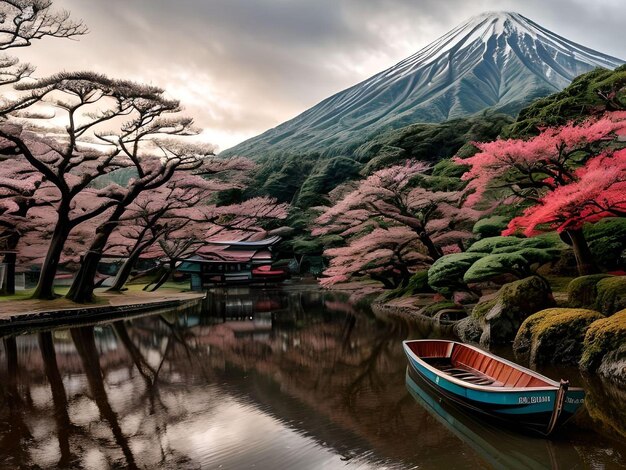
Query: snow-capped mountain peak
{"type": "Point", "coordinates": [499, 60]}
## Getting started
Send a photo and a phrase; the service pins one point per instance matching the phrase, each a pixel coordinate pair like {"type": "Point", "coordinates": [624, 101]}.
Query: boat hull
{"type": "Point", "coordinates": [532, 409]}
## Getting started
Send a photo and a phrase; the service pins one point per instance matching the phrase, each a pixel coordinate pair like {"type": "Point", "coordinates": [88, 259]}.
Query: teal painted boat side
{"type": "Point", "coordinates": [507, 402]}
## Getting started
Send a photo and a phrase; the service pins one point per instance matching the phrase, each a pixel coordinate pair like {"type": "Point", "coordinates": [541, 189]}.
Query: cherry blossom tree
{"type": "Point", "coordinates": [153, 172]}
{"type": "Point", "coordinates": [199, 226]}
{"type": "Point", "coordinates": [598, 190]}
{"type": "Point", "coordinates": [387, 196]}
{"type": "Point", "coordinates": [531, 168]}
{"type": "Point", "coordinates": [167, 210]}
{"type": "Point", "coordinates": [388, 255]}
{"type": "Point", "coordinates": [19, 183]}
{"type": "Point", "coordinates": [73, 157]}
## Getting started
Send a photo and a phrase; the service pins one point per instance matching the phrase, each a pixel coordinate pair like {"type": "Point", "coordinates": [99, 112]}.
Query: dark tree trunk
{"type": "Point", "coordinates": [584, 258]}
{"type": "Point", "coordinates": [386, 282]}
{"type": "Point", "coordinates": [82, 288]}
{"type": "Point", "coordinates": [169, 270]}
{"type": "Point", "coordinates": [405, 276]}
{"type": "Point", "coordinates": [86, 346]}
{"type": "Point", "coordinates": [59, 397]}
{"type": "Point", "coordinates": [9, 284]}
{"type": "Point", "coordinates": [45, 286]}
{"type": "Point", "coordinates": [10, 258]}
{"type": "Point", "coordinates": [124, 272]}
{"type": "Point", "coordinates": [433, 250]}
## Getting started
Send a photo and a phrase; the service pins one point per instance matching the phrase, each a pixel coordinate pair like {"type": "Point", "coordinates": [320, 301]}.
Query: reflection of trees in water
{"type": "Point", "coordinates": [143, 376]}
{"type": "Point", "coordinates": [86, 347]}
{"type": "Point", "coordinates": [59, 397]}
{"type": "Point", "coordinates": [346, 365]}
{"type": "Point", "coordinates": [17, 437]}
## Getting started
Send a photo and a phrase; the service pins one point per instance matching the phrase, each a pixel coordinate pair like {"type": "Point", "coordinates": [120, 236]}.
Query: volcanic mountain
{"type": "Point", "coordinates": [497, 60]}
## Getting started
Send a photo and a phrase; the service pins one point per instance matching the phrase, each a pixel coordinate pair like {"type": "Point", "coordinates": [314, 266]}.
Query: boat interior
{"type": "Point", "coordinates": [472, 366]}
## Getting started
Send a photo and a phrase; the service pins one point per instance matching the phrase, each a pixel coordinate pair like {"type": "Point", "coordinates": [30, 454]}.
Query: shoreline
{"type": "Point", "coordinates": [14, 318]}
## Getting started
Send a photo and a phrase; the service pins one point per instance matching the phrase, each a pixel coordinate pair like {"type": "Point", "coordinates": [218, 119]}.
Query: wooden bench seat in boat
{"type": "Point", "coordinates": [470, 365]}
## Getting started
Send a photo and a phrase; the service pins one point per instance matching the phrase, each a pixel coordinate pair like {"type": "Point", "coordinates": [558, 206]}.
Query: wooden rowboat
{"type": "Point", "coordinates": [494, 386]}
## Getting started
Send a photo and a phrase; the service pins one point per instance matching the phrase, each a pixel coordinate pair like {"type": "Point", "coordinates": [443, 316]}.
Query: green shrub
{"type": "Point", "coordinates": [607, 242]}
{"type": "Point", "coordinates": [418, 284]}
{"type": "Point", "coordinates": [449, 169]}
{"type": "Point", "coordinates": [490, 226]}
{"type": "Point", "coordinates": [488, 245]}
{"type": "Point", "coordinates": [495, 265]}
{"type": "Point", "coordinates": [446, 274]}
{"type": "Point", "coordinates": [326, 175]}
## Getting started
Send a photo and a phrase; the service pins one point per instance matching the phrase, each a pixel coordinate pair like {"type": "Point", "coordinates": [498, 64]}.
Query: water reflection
{"type": "Point", "coordinates": [277, 379]}
{"type": "Point", "coordinates": [500, 447]}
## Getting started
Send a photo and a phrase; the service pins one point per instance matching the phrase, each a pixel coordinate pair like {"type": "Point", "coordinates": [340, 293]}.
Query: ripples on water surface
{"type": "Point", "coordinates": [292, 379]}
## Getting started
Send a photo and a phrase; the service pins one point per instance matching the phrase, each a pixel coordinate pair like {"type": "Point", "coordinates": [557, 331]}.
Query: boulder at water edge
{"type": "Point", "coordinates": [582, 291]}
{"type": "Point", "coordinates": [554, 335]}
{"type": "Point", "coordinates": [611, 295]}
{"type": "Point", "coordinates": [604, 347]}
{"type": "Point", "coordinates": [496, 321]}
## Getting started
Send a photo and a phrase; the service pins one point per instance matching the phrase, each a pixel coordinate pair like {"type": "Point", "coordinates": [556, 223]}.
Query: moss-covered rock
{"type": "Point", "coordinates": [604, 347]}
{"type": "Point", "coordinates": [611, 296]}
{"type": "Point", "coordinates": [468, 330]}
{"type": "Point", "coordinates": [500, 318]}
{"type": "Point", "coordinates": [481, 308]}
{"type": "Point", "coordinates": [582, 291]}
{"type": "Point", "coordinates": [554, 335]}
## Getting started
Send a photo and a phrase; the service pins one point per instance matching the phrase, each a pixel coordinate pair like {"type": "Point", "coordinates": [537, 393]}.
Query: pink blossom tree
{"type": "Point", "coordinates": [180, 207]}
{"type": "Point", "coordinates": [23, 22]}
{"type": "Point", "coordinates": [598, 190]}
{"type": "Point", "coordinates": [74, 157]}
{"type": "Point", "coordinates": [387, 197]}
{"type": "Point", "coordinates": [388, 255]}
{"type": "Point", "coordinates": [242, 222]}
{"type": "Point", "coordinates": [530, 169]}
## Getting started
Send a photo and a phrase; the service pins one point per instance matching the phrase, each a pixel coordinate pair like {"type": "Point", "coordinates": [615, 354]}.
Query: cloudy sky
{"type": "Point", "coordinates": [243, 66]}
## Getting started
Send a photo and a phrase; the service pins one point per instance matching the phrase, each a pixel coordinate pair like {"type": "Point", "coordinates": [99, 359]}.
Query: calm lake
{"type": "Point", "coordinates": [296, 378]}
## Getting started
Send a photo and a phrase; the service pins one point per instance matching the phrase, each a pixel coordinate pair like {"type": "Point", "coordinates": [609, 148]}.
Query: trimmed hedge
{"type": "Point", "coordinates": [446, 274]}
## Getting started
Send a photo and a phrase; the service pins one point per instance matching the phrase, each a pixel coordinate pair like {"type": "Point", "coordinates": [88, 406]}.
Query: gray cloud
{"type": "Point", "coordinates": [242, 66]}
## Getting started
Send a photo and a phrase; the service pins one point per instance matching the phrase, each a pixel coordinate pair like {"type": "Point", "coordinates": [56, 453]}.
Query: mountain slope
{"type": "Point", "coordinates": [495, 60]}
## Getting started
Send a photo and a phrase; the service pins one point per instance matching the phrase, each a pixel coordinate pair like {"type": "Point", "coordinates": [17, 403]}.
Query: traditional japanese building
{"type": "Point", "coordinates": [233, 262]}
